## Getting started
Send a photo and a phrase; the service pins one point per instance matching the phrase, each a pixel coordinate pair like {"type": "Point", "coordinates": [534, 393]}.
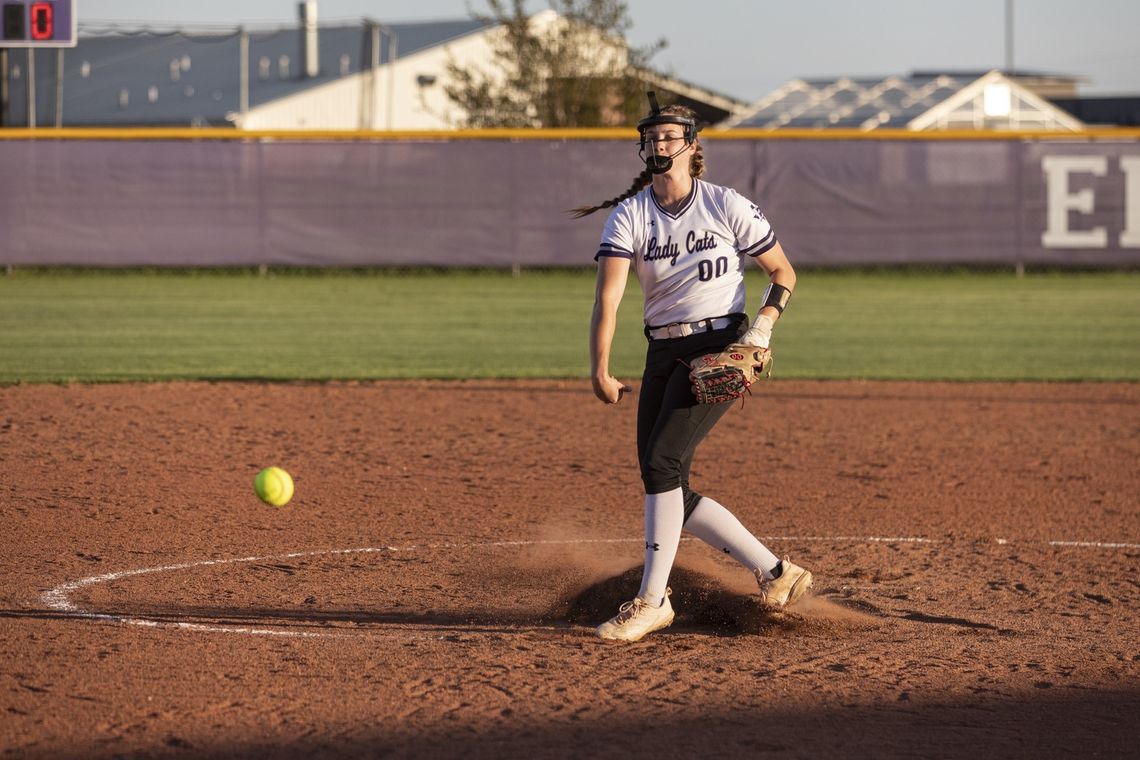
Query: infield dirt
{"type": "Point", "coordinates": [498, 522]}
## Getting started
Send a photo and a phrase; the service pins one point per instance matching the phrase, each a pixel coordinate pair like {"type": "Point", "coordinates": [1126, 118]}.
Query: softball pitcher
{"type": "Point", "coordinates": [688, 242]}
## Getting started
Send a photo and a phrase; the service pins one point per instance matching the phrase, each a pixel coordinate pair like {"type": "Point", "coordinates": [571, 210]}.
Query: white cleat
{"type": "Point", "coordinates": [637, 618]}
{"type": "Point", "coordinates": [786, 590]}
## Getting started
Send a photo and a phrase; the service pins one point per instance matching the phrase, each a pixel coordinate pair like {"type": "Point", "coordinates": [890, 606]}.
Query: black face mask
{"type": "Point", "coordinates": [660, 164]}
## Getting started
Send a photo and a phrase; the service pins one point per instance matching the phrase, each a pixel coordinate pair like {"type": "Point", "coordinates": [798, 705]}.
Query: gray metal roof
{"type": "Point", "coordinates": [851, 102]}
{"type": "Point", "coordinates": [194, 79]}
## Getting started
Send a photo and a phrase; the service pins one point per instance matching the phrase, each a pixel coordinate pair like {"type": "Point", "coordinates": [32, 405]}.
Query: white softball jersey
{"type": "Point", "coordinates": [690, 263]}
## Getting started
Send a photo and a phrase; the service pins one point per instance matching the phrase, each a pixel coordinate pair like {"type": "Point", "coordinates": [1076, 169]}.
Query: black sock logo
{"type": "Point", "coordinates": [654, 547]}
{"type": "Point", "coordinates": [726, 551]}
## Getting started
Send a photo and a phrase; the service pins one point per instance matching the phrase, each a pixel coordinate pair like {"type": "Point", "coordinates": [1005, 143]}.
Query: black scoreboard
{"type": "Point", "coordinates": [37, 23]}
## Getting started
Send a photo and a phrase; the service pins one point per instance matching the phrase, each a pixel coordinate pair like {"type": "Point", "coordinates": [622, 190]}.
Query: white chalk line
{"type": "Point", "coordinates": [1094, 544]}
{"type": "Point", "coordinates": [1079, 544]}
{"type": "Point", "coordinates": [59, 600]}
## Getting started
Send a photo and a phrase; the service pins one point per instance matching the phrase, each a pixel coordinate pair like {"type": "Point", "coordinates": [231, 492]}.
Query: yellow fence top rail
{"type": "Point", "coordinates": [625, 133]}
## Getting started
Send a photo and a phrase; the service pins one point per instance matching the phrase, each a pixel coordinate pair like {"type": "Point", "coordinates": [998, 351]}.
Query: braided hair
{"type": "Point", "coordinates": [696, 170]}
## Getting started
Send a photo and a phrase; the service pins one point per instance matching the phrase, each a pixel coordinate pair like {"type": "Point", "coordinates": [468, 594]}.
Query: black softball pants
{"type": "Point", "coordinates": [670, 422]}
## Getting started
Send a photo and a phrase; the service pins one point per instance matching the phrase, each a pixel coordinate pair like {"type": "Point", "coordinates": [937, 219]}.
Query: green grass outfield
{"type": "Point", "coordinates": [66, 325]}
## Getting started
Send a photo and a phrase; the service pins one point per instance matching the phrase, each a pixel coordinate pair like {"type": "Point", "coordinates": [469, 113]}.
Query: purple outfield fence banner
{"type": "Point", "coordinates": [500, 203]}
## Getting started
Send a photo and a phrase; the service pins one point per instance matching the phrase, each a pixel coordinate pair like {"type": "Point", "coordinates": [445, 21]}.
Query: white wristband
{"type": "Point", "coordinates": [760, 334]}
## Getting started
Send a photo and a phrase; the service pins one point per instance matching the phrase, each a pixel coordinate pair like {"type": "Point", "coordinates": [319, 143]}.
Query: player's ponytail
{"type": "Point", "coordinates": [638, 185]}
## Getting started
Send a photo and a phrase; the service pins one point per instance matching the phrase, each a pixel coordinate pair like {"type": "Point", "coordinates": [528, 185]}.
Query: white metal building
{"type": "Point", "coordinates": [368, 75]}
{"type": "Point", "coordinates": [920, 101]}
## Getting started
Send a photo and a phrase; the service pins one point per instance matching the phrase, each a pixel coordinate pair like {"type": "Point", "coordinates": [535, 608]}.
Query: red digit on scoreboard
{"type": "Point", "coordinates": [42, 23]}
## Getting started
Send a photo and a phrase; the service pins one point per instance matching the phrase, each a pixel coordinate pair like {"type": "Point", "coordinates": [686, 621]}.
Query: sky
{"type": "Point", "coordinates": [747, 48]}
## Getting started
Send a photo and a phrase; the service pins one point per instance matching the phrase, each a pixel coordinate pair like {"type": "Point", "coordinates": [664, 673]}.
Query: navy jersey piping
{"type": "Point", "coordinates": [765, 245]}
{"type": "Point", "coordinates": [610, 250]}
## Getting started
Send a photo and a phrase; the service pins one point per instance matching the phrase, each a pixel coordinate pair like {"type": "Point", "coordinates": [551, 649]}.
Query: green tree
{"type": "Point", "coordinates": [575, 71]}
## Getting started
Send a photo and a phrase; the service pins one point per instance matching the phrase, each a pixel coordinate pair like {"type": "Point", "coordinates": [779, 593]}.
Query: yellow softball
{"type": "Point", "coordinates": [274, 486]}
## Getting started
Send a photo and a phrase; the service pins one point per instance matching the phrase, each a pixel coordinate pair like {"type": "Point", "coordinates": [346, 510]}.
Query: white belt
{"type": "Point", "coordinates": [684, 329]}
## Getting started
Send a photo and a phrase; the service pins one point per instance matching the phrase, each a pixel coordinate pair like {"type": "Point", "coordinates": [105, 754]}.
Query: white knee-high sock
{"type": "Point", "coordinates": [664, 514]}
{"type": "Point", "coordinates": [717, 527]}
